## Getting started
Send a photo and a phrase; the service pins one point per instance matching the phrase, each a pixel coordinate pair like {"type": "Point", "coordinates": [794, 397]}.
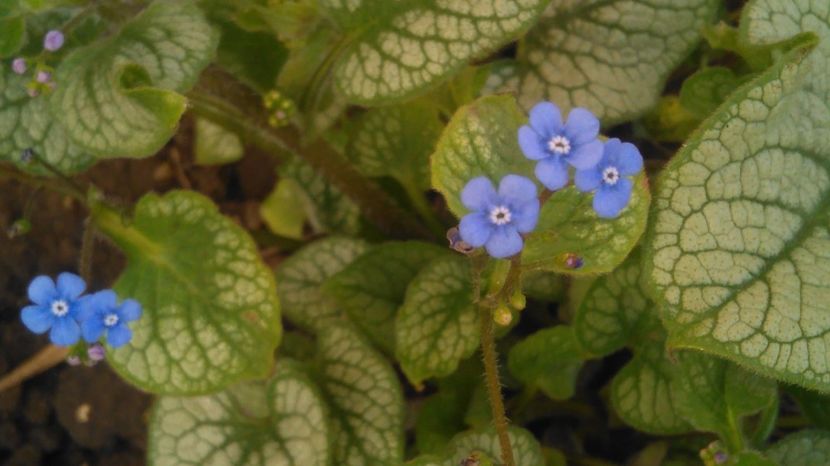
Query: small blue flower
{"type": "Point", "coordinates": [556, 144]}
{"type": "Point", "coordinates": [53, 41]}
{"type": "Point", "coordinates": [611, 177]}
{"type": "Point", "coordinates": [102, 313]}
{"type": "Point", "coordinates": [19, 65]}
{"type": "Point", "coordinates": [498, 218]}
{"type": "Point", "coordinates": [55, 307]}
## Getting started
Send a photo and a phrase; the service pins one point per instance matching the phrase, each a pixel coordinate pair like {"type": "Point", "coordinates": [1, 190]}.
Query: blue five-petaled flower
{"type": "Point", "coordinates": [556, 144]}
{"type": "Point", "coordinates": [102, 313]}
{"type": "Point", "coordinates": [610, 177]}
{"type": "Point", "coordinates": [499, 218]}
{"type": "Point", "coordinates": [55, 308]}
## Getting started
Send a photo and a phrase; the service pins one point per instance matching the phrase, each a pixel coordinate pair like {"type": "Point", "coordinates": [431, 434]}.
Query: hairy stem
{"type": "Point", "coordinates": [87, 249]}
{"type": "Point", "coordinates": [240, 111]}
{"type": "Point", "coordinates": [491, 373]}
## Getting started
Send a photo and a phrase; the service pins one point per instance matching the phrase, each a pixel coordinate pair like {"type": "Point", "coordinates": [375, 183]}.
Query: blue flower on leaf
{"type": "Point", "coordinates": [499, 218]}
{"type": "Point", "coordinates": [55, 307]}
{"type": "Point", "coordinates": [556, 144]}
{"type": "Point", "coordinates": [102, 313]}
{"type": "Point", "coordinates": [610, 178]}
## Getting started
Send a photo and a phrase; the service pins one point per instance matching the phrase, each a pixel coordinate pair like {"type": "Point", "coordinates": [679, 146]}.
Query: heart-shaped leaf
{"type": "Point", "coordinates": [211, 314]}
{"type": "Point", "coordinates": [805, 448]}
{"type": "Point", "coordinates": [485, 444]}
{"type": "Point", "coordinates": [278, 422]}
{"type": "Point", "coordinates": [550, 360]}
{"type": "Point", "coordinates": [398, 49]}
{"type": "Point", "coordinates": [737, 246]}
{"type": "Point", "coordinates": [437, 326]}
{"type": "Point", "coordinates": [611, 56]}
{"type": "Point", "coordinates": [120, 97]}
{"type": "Point", "coordinates": [364, 399]}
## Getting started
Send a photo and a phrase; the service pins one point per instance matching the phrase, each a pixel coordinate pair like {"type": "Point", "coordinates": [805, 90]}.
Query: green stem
{"type": "Point", "coordinates": [251, 124]}
{"type": "Point", "coordinates": [734, 437]}
{"type": "Point", "coordinates": [60, 185]}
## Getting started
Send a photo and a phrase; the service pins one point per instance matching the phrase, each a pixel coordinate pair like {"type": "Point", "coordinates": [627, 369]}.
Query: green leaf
{"type": "Point", "coordinates": [713, 394]}
{"type": "Point", "coordinates": [373, 287]}
{"type": "Point", "coordinates": [120, 96]}
{"type": "Point", "coordinates": [738, 251]}
{"type": "Point", "coordinates": [215, 145]}
{"type": "Point", "coordinates": [610, 56]}
{"type": "Point", "coordinates": [300, 278]}
{"type": "Point", "coordinates": [480, 140]}
{"type": "Point", "coordinates": [814, 406]}
{"type": "Point", "coordinates": [364, 398]}
{"type": "Point", "coordinates": [805, 448]}
{"type": "Point", "coordinates": [211, 314]}
{"type": "Point", "coordinates": [26, 123]}
{"type": "Point", "coordinates": [750, 458]}
{"type": "Point", "coordinates": [669, 120]}
{"type": "Point", "coordinates": [642, 392]}
{"type": "Point", "coordinates": [550, 360]}
{"type": "Point", "coordinates": [12, 34]}
{"type": "Point", "coordinates": [526, 450]}
{"type": "Point", "coordinates": [568, 225]}
{"type": "Point", "coordinates": [397, 141]}
{"type": "Point", "coordinates": [705, 90]}
{"type": "Point", "coordinates": [282, 211]}
{"type": "Point", "coordinates": [397, 50]}
{"type": "Point", "coordinates": [615, 310]}
{"type": "Point", "coordinates": [278, 422]}
{"type": "Point", "coordinates": [254, 57]}
{"type": "Point", "coordinates": [443, 414]}
{"type": "Point", "coordinates": [544, 286]}
{"type": "Point", "coordinates": [437, 326]}
{"type": "Point", "coordinates": [327, 209]}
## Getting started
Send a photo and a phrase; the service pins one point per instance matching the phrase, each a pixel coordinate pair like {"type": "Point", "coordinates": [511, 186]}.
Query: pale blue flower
{"type": "Point", "coordinates": [499, 218]}
{"type": "Point", "coordinates": [55, 307]}
{"type": "Point", "coordinates": [556, 144]}
{"type": "Point", "coordinates": [610, 178]}
{"type": "Point", "coordinates": [101, 314]}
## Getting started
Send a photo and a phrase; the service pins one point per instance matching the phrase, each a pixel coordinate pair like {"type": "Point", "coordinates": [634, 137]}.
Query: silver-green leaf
{"type": "Point", "coordinates": [610, 56]}
{"type": "Point", "coordinates": [280, 422]}
{"type": "Point", "coordinates": [211, 313]}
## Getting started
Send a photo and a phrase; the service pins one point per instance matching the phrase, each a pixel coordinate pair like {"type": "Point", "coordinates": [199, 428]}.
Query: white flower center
{"type": "Point", "coordinates": [60, 308]}
{"type": "Point", "coordinates": [610, 176]}
{"type": "Point", "coordinates": [110, 320]}
{"type": "Point", "coordinates": [500, 215]}
{"type": "Point", "coordinates": [559, 145]}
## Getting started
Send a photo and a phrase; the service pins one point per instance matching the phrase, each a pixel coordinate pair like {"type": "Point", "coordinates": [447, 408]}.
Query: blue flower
{"type": "Point", "coordinates": [55, 307]}
{"type": "Point", "coordinates": [498, 218]}
{"type": "Point", "coordinates": [556, 144]}
{"type": "Point", "coordinates": [610, 177]}
{"type": "Point", "coordinates": [102, 313]}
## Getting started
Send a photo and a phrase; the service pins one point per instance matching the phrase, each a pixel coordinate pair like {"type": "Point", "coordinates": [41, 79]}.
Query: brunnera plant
{"type": "Point", "coordinates": [636, 197]}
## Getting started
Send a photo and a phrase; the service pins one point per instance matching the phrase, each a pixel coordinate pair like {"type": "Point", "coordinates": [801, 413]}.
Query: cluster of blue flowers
{"type": "Point", "coordinates": [67, 314]}
{"type": "Point", "coordinates": [52, 42]}
{"type": "Point", "coordinates": [499, 218]}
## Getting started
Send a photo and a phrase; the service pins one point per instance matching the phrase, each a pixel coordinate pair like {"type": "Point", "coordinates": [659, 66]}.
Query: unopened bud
{"type": "Point", "coordinates": [503, 316]}
{"type": "Point", "coordinates": [518, 301]}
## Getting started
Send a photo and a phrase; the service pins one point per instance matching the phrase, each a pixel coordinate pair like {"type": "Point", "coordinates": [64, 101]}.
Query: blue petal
{"type": "Point", "coordinates": [582, 126]}
{"type": "Point", "coordinates": [37, 318]}
{"type": "Point", "coordinates": [532, 144]}
{"type": "Point", "coordinates": [70, 286]}
{"type": "Point", "coordinates": [588, 180]}
{"type": "Point", "coordinates": [504, 242]}
{"type": "Point", "coordinates": [130, 310]}
{"type": "Point", "coordinates": [475, 229]}
{"type": "Point", "coordinates": [92, 329]}
{"type": "Point", "coordinates": [586, 156]}
{"type": "Point", "coordinates": [517, 189]}
{"type": "Point", "coordinates": [42, 290]}
{"type": "Point", "coordinates": [65, 332]}
{"type": "Point", "coordinates": [86, 308]}
{"type": "Point", "coordinates": [478, 194]}
{"type": "Point", "coordinates": [553, 173]}
{"type": "Point", "coordinates": [546, 119]}
{"type": "Point", "coordinates": [629, 160]}
{"type": "Point", "coordinates": [609, 201]}
{"type": "Point", "coordinates": [526, 216]}
{"type": "Point", "coordinates": [119, 335]}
